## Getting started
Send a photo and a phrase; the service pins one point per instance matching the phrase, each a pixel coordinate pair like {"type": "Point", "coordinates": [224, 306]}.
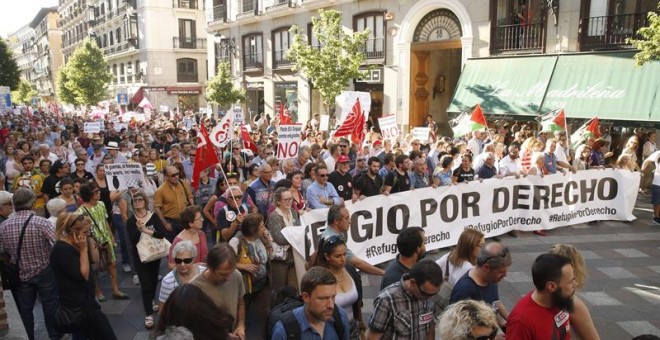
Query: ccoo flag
{"type": "Point", "coordinates": [205, 155]}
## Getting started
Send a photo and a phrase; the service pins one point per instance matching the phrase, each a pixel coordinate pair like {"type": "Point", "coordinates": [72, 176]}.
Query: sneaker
{"type": "Point", "coordinates": [126, 268]}
{"type": "Point", "coordinates": [136, 280]}
{"type": "Point", "coordinates": [656, 220]}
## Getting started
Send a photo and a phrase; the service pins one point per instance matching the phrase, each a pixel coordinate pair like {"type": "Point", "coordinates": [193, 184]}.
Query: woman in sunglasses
{"type": "Point", "coordinates": [192, 223]}
{"type": "Point", "coordinates": [71, 265]}
{"type": "Point", "coordinates": [332, 255]}
{"type": "Point", "coordinates": [468, 319]}
{"type": "Point", "coordinates": [283, 216]}
{"type": "Point", "coordinates": [141, 222]}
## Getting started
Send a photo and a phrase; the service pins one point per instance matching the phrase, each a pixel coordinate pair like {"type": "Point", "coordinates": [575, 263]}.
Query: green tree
{"type": "Point", "coordinates": [220, 89]}
{"type": "Point", "coordinates": [24, 93]}
{"type": "Point", "coordinates": [649, 44]}
{"type": "Point", "coordinates": [337, 60]}
{"type": "Point", "coordinates": [9, 72]}
{"type": "Point", "coordinates": [84, 80]}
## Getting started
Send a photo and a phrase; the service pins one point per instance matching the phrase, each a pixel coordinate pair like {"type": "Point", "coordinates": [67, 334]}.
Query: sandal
{"type": "Point", "coordinates": [149, 322]}
{"type": "Point", "coordinates": [120, 296]}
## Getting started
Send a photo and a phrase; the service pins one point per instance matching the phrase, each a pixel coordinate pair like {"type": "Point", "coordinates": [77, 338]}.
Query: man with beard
{"type": "Point", "coordinates": [398, 180]}
{"type": "Point", "coordinates": [544, 312]}
{"type": "Point", "coordinates": [369, 182]}
{"type": "Point", "coordinates": [480, 282]}
{"type": "Point", "coordinates": [410, 243]}
{"type": "Point", "coordinates": [511, 165]}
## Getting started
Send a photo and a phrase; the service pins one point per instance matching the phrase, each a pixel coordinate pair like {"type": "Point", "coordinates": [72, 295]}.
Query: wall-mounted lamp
{"type": "Point", "coordinates": [439, 86]}
{"type": "Point", "coordinates": [226, 43]}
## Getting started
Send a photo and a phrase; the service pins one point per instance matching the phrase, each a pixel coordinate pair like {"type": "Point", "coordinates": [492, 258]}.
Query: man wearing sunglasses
{"type": "Point", "coordinates": [322, 194]}
{"type": "Point", "coordinates": [169, 201]}
{"type": "Point", "coordinates": [404, 310]}
{"type": "Point", "coordinates": [480, 282]}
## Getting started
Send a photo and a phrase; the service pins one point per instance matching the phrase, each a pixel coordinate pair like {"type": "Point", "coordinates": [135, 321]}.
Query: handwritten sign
{"type": "Point", "coordinates": [237, 112]}
{"type": "Point", "coordinates": [421, 133]}
{"type": "Point", "coordinates": [122, 176]}
{"type": "Point", "coordinates": [388, 127]}
{"type": "Point", "coordinates": [93, 127]}
{"type": "Point", "coordinates": [288, 141]}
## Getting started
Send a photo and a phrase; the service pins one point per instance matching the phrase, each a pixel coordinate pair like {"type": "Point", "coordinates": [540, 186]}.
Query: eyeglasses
{"type": "Point", "coordinates": [174, 175]}
{"type": "Point", "coordinates": [78, 219]}
{"type": "Point", "coordinates": [186, 260]}
{"type": "Point", "coordinates": [503, 254]}
{"type": "Point", "coordinates": [423, 293]}
{"type": "Point", "coordinates": [288, 199]}
{"type": "Point", "coordinates": [237, 197]}
{"type": "Point", "coordinates": [138, 199]}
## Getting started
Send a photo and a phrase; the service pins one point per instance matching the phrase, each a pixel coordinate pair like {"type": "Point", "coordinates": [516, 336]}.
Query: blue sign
{"type": "Point", "coordinates": [122, 98]}
{"type": "Point", "coordinates": [5, 101]}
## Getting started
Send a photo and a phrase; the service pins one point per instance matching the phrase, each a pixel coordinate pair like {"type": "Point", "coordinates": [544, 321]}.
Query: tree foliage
{"type": "Point", "coordinates": [84, 80]}
{"type": "Point", "coordinates": [220, 89]}
{"type": "Point", "coordinates": [337, 60]}
{"type": "Point", "coordinates": [24, 93]}
{"type": "Point", "coordinates": [649, 44]}
{"type": "Point", "coordinates": [9, 72]}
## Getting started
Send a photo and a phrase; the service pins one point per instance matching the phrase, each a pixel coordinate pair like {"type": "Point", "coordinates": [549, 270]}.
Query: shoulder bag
{"type": "Point", "coordinates": [441, 299]}
{"type": "Point", "coordinates": [10, 271]}
{"type": "Point", "coordinates": [150, 248]}
{"type": "Point", "coordinates": [100, 262]}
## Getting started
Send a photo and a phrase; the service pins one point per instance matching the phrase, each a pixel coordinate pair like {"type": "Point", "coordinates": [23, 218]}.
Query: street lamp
{"type": "Point", "coordinates": [226, 43]}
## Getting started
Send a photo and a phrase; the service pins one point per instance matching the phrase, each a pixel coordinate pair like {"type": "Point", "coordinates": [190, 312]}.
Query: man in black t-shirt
{"type": "Point", "coordinates": [398, 180]}
{"type": "Point", "coordinates": [369, 183]}
{"type": "Point", "coordinates": [341, 179]}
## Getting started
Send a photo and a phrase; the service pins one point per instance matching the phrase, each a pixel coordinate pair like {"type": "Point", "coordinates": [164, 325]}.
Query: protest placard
{"type": "Point", "coordinates": [121, 176]}
{"type": "Point", "coordinates": [93, 127]}
{"type": "Point", "coordinates": [324, 124]}
{"type": "Point", "coordinates": [388, 128]}
{"type": "Point", "coordinates": [164, 108]}
{"type": "Point", "coordinates": [237, 112]}
{"type": "Point", "coordinates": [120, 126]}
{"type": "Point", "coordinates": [421, 133]}
{"type": "Point", "coordinates": [288, 141]}
{"type": "Point", "coordinates": [188, 123]}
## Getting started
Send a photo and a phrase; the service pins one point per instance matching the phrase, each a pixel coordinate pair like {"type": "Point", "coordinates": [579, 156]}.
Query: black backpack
{"type": "Point", "coordinates": [284, 312]}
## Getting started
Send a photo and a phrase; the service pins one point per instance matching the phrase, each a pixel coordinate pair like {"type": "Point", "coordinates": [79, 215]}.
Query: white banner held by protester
{"type": "Point", "coordinates": [288, 141]}
{"type": "Point", "coordinates": [237, 112]}
{"type": "Point", "coordinates": [93, 127]}
{"type": "Point", "coordinates": [223, 132]}
{"type": "Point", "coordinates": [493, 207]}
{"type": "Point", "coordinates": [324, 124]}
{"type": "Point", "coordinates": [121, 176]}
{"type": "Point", "coordinates": [388, 128]}
{"type": "Point", "coordinates": [119, 126]}
{"type": "Point", "coordinates": [421, 133]}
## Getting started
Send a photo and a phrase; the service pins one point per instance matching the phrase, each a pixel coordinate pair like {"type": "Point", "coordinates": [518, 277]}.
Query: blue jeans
{"type": "Point", "coordinates": [120, 227]}
{"type": "Point", "coordinates": [26, 294]}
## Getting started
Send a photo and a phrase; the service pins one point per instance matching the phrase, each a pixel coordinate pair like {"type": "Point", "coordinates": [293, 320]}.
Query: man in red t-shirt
{"type": "Point", "coordinates": [544, 312]}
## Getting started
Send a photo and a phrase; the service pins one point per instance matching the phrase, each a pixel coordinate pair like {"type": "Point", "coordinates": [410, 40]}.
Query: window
{"type": "Point", "coordinates": [186, 70]}
{"type": "Point", "coordinates": [519, 26]}
{"type": "Point", "coordinates": [281, 43]}
{"type": "Point", "coordinates": [222, 54]}
{"type": "Point", "coordinates": [608, 24]}
{"type": "Point", "coordinates": [105, 40]}
{"type": "Point", "coordinates": [118, 35]}
{"type": "Point", "coordinates": [192, 4]}
{"type": "Point", "coordinates": [112, 40]}
{"type": "Point", "coordinates": [253, 52]}
{"type": "Point", "coordinates": [187, 34]}
{"type": "Point", "coordinates": [219, 12]}
{"type": "Point", "coordinates": [313, 40]}
{"type": "Point", "coordinates": [375, 22]}
{"type": "Point", "coordinates": [122, 78]}
{"type": "Point", "coordinates": [114, 73]}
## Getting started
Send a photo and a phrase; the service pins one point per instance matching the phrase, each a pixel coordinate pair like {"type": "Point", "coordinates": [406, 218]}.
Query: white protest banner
{"type": "Point", "coordinates": [421, 133]}
{"type": "Point", "coordinates": [237, 113]}
{"type": "Point", "coordinates": [120, 126]}
{"type": "Point", "coordinates": [93, 127]}
{"type": "Point", "coordinates": [122, 176]}
{"type": "Point", "coordinates": [188, 123]}
{"type": "Point", "coordinates": [388, 128]}
{"type": "Point", "coordinates": [346, 100]}
{"type": "Point", "coordinates": [492, 206]}
{"type": "Point", "coordinates": [222, 132]}
{"type": "Point", "coordinates": [288, 141]}
{"type": "Point", "coordinates": [164, 108]}
{"type": "Point", "coordinates": [324, 124]}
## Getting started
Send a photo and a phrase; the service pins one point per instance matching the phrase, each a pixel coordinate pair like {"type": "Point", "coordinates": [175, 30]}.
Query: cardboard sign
{"type": "Point", "coordinates": [237, 113]}
{"type": "Point", "coordinates": [324, 124]}
{"type": "Point", "coordinates": [421, 133]}
{"type": "Point", "coordinates": [388, 127]}
{"type": "Point", "coordinates": [288, 141]}
{"type": "Point", "coordinates": [122, 176]}
{"type": "Point", "coordinates": [93, 127]}
{"type": "Point", "coordinates": [188, 123]}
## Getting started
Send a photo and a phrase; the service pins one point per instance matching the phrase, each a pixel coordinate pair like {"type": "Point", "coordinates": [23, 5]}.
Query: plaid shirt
{"type": "Point", "coordinates": [37, 242]}
{"type": "Point", "coordinates": [400, 315]}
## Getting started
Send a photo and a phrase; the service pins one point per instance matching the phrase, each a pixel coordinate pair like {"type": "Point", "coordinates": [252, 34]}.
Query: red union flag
{"type": "Point", "coordinates": [285, 118]}
{"type": "Point", "coordinates": [205, 155]}
{"type": "Point", "coordinates": [248, 143]}
{"type": "Point", "coordinates": [353, 124]}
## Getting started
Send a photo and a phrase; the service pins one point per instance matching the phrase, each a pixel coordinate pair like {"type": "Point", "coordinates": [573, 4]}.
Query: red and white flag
{"type": "Point", "coordinates": [248, 143]}
{"type": "Point", "coordinates": [285, 117]}
{"type": "Point", "coordinates": [353, 124]}
{"type": "Point", "coordinates": [223, 132]}
{"type": "Point", "coordinates": [205, 155]}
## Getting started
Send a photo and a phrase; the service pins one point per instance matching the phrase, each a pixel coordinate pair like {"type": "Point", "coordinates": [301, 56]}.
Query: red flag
{"type": "Point", "coordinates": [478, 116]}
{"type": "Point", "coordinates": [593, 127]}
{"type": "Point", "coordinates": [205, 155]}
{"type": "Point", "coordinates": [285, 118]}
{"type": "Point", "coordinates": [353, 124]}
{"type": "Point", "coordinates": [248, 143]}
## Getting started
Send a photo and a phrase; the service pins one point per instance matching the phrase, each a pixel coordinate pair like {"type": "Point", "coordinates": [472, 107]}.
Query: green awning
{"type": "Point", "coordinates": [506, 86]}
{"type": "Point", "coordinates": [607, 85]}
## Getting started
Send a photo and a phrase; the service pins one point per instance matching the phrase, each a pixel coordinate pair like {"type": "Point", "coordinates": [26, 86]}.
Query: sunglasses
{"type": "Point", "coordinates": [174, 175]}
{"type": "Point", "coordinates": [77, 219]}
{"type": "Point", "coordinates": [343, 146]}
{"type": "Point", "coordinates": [504, 253]}
{"type": "Point", "coordinates": [186, 260]}
{"type": "Point", "coordinates": [322, 175]}
{"type": "Point", "coordinates": [423, 293]}
{"type": "Point", "coordinates": [238, 197]}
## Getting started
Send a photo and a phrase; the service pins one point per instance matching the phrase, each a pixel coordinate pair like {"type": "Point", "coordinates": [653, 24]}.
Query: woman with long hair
{"type": "Point", "coordinates": [309, 176]}
{"type": "Point", "coordinates": [70, 261]}
{"type": "Point", "coordinates": [582, 159]}
{"type": "Point", "coordinates": [66, 193]}
{"type": "Point", "coordinates": [631, 150]}
{"type": "Point", "coordinates": [527, 149]}
{"type": "Point", "coordinates": [332, 255]}
{"type": "Point", "coordinates": [189, 307]}
{"type": "Point", "coordinates": [463, 256]}
{"type": "Point", "coordinates": [624, 162]}
{"type": "Point", "coordinates": [146, 222]}
{"type": "Point", "coordinates": [299, 204]}
{"type": "Point", "coordinates": [95, 209]}
{"type": "Point", "coordinates": [60, 150]}
{"type": "Point", "coordinates": [581, 320]}
{"type": "Point", "coordinates": [192, 223]}
{"type": "Point", "coordinates": [282, 266]}
{"type": "Point", "coordinates": [208, 211]}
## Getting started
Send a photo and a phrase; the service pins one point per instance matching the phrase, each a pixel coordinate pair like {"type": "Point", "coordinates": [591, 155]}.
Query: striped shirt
{"type": "Point", "coordinates": [170, 282]}
{"type": "Point", "coordinates": [37, 242]}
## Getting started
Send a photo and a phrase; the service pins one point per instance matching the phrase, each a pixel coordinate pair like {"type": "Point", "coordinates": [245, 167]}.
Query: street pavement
{"type": "Point", "coordinates": [622, 291]}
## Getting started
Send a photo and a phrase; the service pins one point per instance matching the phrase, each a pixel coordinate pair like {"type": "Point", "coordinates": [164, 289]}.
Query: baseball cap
{"type": "Point", "coordinates": [343, 159]}
{"type": "Point", "coordinates": [377, 143]}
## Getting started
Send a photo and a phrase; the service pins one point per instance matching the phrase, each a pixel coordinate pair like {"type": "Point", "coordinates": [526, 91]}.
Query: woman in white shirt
{"type": "Point", "coordinates": [464, 256]}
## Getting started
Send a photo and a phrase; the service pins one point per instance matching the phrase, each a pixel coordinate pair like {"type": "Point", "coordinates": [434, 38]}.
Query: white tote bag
{"type": "Point", "coordinates": [150, 248]}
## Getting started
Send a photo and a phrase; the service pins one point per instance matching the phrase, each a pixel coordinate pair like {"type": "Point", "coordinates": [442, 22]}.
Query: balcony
{"type": "Point", "coordinates": [219, 13]}
{"type": "Point", "coordinates": [247, 8]}
{"type": "Point", "coordinates": [187, 4]}
{"type": "Point", "coordinates": [117, 48]}
{"type": "Point", "coordinates": [275, 4]}
{"type": "Point", "coordinates": [279, 60]}
{"type": "Point", "coordinates": [253, 61]}
{"type": "Point", "coordinates": [610, 32]}
{"type": "Point", "coordinates": [188, 43]}
{"type": "Point", "coordinates": [374, 48]}
{"type": "Point", "coordinates": [518, 39]}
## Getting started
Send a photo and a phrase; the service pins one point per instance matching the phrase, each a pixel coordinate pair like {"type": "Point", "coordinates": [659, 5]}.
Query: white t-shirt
{"type": "Point", "coordinates": [455, 273]}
